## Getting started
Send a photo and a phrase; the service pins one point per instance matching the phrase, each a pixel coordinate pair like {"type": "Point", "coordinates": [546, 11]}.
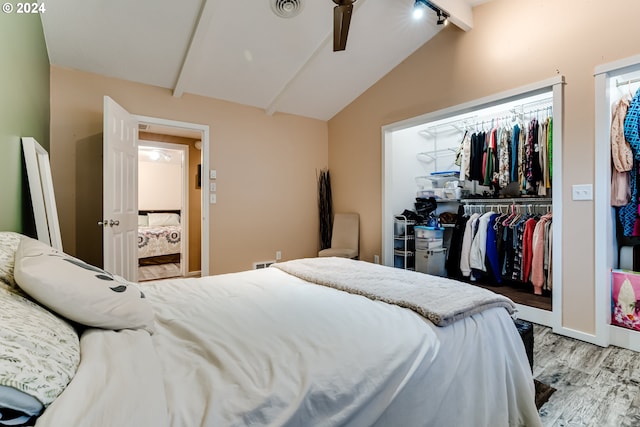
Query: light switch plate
{"type": "Point", "coordinates": [213, 187]}
{"type": "Point", "coordinates": [582, 192]}
{"type": "Point", "coordinates": [213, 174]}
{"type": "Point", "coordinates": [212, 199]}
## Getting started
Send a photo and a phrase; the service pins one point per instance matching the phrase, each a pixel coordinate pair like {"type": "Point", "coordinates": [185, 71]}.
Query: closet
{"type": "Point", "coordinates": [506, 189]}
{"type": "Point", "coordinates": [613, 81]}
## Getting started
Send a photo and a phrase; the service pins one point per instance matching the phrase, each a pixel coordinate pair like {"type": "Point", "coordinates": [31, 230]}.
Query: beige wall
{"type": "Point", "coordinates": [513, 43]}
{"type": "Point", "coordinates": [267, 192]}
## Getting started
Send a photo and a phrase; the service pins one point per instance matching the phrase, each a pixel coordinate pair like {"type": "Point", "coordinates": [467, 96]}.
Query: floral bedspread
{"type": "Point", "coordinates": [155, 241]}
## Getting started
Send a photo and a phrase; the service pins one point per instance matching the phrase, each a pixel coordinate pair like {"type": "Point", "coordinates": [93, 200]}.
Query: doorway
{"type": "Point", "coordinates": [163, 209]}
{"type": "Point", "coordinates": [193, 213]}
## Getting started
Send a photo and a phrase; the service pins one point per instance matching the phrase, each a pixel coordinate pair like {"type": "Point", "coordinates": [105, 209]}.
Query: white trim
{"type": "Point", "coordinates": [624, 338]}
{"type": "Point", "coordinates": [557, 188]}
{"type": "Point", "coordinates": [204, 261]}
{"type": "Point", "coordinates": [196, 273]}
{"type": "Point", "coordinates": [603, 212]}
{"type": "Point", "coordinates": [554, 84]}
{"type": "Point", "coordinates": [184, 196]}
{"type": "Point", "coordinates": [487, 101]}
{"type": "Point", "coordinates": [620, 66]}
{"type": "Point", "coordinates": [45, 211]}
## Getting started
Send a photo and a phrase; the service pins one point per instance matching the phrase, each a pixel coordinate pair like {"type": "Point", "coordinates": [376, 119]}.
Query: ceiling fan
{"type": "Point", "coordinates": [341, 20]}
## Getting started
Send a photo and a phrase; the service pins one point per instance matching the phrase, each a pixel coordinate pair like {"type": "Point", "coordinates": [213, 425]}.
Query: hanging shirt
{"type": "Point", "coordinates": [515, 139]}
{"type": "Point", "coordinates": [479, 244]}
{"type": "Point", "coordinates": [504, 166]}
{"type": "Point", "coordinates": [621, 152]}
{"type": "Point", "coordinates": [467, 238]}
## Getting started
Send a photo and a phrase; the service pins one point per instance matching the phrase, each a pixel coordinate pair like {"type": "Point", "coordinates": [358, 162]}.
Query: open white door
{"type": "Point", "coordinates": [120, 199]}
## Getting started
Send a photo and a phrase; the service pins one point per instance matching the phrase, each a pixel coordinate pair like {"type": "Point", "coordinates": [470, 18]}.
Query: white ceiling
{"type": "Point", "coordinates": [239, 50]}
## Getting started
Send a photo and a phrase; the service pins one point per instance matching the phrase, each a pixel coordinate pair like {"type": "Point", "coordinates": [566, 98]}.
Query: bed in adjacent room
{"type": "Point", "coordinates": [159, 244]}
{"type": "Point", "coordinates": [310, 342]}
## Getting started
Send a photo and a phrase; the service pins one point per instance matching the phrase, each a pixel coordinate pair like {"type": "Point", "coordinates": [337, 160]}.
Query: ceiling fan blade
{"type": "Point", "coordinates": [341, 22]}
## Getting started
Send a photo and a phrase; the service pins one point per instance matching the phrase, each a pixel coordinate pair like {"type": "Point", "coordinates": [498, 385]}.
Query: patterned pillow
{"type": "Point", "coordinates": [39, 352]}
{"type": "Point", "coordinates": [79, 291]}
{"type": "Point", "coordinates": [9, 242]}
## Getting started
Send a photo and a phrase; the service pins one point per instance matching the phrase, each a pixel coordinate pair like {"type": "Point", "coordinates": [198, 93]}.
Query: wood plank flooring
{"type": "Point", "coordinates": [596, 386]}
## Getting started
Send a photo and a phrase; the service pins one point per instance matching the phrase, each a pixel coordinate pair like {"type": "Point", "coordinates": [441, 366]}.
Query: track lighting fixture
{"type": "Point", "coordinates": [420, 6]}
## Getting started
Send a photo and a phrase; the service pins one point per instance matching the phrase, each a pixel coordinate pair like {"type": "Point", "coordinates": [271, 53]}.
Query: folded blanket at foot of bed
{"type": "Point", "coordinates": [441, 300]}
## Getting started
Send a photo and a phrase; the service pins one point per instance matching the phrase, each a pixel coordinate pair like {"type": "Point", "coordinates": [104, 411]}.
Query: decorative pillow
{"type": "Point", "coordinates": [39, 355]}
{"type": "Point", "coordinates": [143, 221]}
{"type": "Point", "coordinates": [9, 242]}
{"type": "Point", "coordinates": [162, 219]}
{"type": "Point", "coordinates": [79, 291]}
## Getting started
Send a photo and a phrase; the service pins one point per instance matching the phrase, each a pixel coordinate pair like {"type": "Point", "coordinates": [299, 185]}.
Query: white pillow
{"type": "Point", "coordinates": [79, 291]}
{"type": "Point", "coordinates": [143, 221]}
{"type": "Point", "coordinates": [39, 354]}
{"type": "Point", "coordinates": [162, 219]}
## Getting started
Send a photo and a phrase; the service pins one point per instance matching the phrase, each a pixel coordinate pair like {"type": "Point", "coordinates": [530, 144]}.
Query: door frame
{"type": "Point", "coordinates": [184, 195]}
{"type": "Point", "coordinates": [204, 130]}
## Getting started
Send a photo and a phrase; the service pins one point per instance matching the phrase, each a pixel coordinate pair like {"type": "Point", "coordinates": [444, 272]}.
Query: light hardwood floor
{"type": "Point", "coordinates": [596, 387]}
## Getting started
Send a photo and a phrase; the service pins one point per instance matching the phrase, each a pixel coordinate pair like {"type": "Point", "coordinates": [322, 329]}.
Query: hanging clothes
{"type": "Point", "coordinates": [542, 155]}
{"type": "Point", "coordinates": [478, 248]}
{"type": "Point", "coordinates": [477, 152]}
{"type": "Point", "coordinates": [629, 213]}
{"type": "Point", "coordinates": [515, 141]}
{"type": "Point", "coordinates": [504, 165]}
{"type": "Point", "coordinates": [621, 154]}
{"type": "Point", "coordinates": [539, 249]}
{"type": "Point", "coordinates": [465, 251]}
{"type": "Point", "coordinates": [455, 245]}
{"type": "Point", "coordinates": [492, 250]}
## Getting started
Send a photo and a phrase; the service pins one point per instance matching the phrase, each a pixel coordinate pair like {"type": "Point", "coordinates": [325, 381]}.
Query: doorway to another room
{"type": "Point", "coordinates": [169, 202]}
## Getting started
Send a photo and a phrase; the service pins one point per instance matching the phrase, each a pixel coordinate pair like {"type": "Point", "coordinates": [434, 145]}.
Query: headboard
{"type": "Point", "coordinates": [144, 212]}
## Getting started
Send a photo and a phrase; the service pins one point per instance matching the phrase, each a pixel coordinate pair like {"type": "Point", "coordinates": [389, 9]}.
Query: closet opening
{"type": "Point", "coordinates": [496, 161]}
{"type": "Point", "coordinates": [617, 241]}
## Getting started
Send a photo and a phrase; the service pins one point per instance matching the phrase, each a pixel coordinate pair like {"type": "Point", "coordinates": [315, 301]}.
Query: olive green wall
{"type": "Point", "coordinates": [24, 111]}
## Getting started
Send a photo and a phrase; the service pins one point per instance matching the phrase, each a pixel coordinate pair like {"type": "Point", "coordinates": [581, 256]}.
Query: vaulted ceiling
{"type": "Point", "coordinates": [239, 50]}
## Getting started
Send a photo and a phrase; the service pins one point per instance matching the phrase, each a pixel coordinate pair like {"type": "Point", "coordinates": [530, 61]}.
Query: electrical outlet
{"type": "Point", "coordinates": [376, 259]}
{"type": "Point", "coordinates": [278, 255]}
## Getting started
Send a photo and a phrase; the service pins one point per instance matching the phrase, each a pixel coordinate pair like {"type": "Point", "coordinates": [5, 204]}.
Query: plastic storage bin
{"type": "Point", "coordinates": [431, 261]}
{"type": "Point", "coordinates": [428, 237]}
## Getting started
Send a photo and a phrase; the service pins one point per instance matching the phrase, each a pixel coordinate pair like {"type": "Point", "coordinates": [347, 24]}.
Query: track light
{"type": "Point", "coordinates": [419, 8]}
{"type": "Point", "coordinates": [443, 19]}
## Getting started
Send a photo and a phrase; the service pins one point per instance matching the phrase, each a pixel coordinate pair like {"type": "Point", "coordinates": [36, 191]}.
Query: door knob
{"type": "Point", "coordinates": [103, 223]}
{"type": "Point", "coordinates": [113, 222]}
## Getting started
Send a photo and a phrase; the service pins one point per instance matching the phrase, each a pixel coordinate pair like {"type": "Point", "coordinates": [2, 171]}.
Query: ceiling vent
{"type": "Point", "coordinates": [143, 126]}
{"type": "Point", "coordinates": [287, 8]}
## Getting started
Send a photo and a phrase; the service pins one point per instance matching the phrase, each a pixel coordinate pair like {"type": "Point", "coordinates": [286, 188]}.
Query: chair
{"type": "Point", "coordinates": [345, 237]}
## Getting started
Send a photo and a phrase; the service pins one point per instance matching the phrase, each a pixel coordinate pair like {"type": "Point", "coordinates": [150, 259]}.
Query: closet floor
{"type": "Point", "coordinates": [520, 296]}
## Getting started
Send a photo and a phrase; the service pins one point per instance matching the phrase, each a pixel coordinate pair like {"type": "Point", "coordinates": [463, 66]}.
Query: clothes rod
{"type": "Point", "coordinates": [628, 82]}
{"type": "Point", "coordinates": [521, 200]}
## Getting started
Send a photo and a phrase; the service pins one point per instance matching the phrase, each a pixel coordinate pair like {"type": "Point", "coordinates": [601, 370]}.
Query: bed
{"type": "Point", "coordinates": [310, 342]}
{"type": "Point", "coordinates": [159, 236]}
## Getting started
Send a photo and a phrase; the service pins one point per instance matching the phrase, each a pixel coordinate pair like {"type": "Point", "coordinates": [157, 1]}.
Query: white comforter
{"type": "Point", "coordinates": [263, 348]}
